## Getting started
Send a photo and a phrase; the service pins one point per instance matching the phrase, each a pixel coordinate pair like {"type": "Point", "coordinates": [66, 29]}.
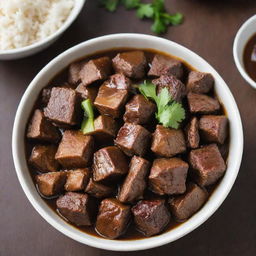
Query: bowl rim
{"type": "Point", "coordinates": [77, 8]}
{"type": "Point", "coordinates": [236, 43]}
{"type": "Point", "coordinates": [196, 220]}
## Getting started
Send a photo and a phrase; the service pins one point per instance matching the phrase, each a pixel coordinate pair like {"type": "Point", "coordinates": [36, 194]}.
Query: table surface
{"type": "Point", "coordinates": [209, 30]}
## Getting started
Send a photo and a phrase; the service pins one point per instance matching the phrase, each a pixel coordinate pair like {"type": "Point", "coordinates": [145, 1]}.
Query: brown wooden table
{"type": "Point", "coordinates": [209, 30]}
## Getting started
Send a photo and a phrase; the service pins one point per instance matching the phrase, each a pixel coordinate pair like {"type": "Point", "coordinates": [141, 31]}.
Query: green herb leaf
{"type": "Point", "coordinates": [173, 19]}
{"type": "Point", "coordinates": [154, 11]}
{"type": "Point", "coordinates": [130, 4]}
{"type": "Point", "coordinates": [172, 115]}
{"type": "Point", "coordinates": [88, 121]}
{"type": "Point", "coordinates": [110, 5]}
{"type": "Point", "coordinates": [169, 112]}
{"type": "Point", "coordinates": [158, 27]}
{"type": "Point", "coordinates": [145, 11]}
{"type": "Point", "coordinates": [158, 5]}
{"type": "Point", "coordinates": [164, 98]}
{"type": "Point", "coordinates": [148, 90]}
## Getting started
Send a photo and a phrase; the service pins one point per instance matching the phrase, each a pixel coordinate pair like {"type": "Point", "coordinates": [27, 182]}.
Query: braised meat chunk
{"type": "Point", "coordinates": [41, 129]}
{"type": "Point", "coordinates": [119, 81]}
{"type": "Point", "coordinates": [168, 176]}
{"type": "Point", "coordinates": [43, 158]}
{"type": "Point", "coordinates": [45, 96]}
{"type": "Point", "coordinates": [175, 87]}
{"type": "Point", "coordinates": [94, 70]}
{"type": "Point", "coordinates": [75, 149]}
{"type": "Point", "coordinates": [113, 218]}
{"type": "Point", "coordinates": [74, 72]}
{"type": "Point", "coordinates": [109, 164]}
{"type": "Point", "coordinates": [214, 128]}
{"type": "Point", "coordinates": [199, 82]}
{"type": "Point", "coordinates": [184, 206]}
{"type": "Point", "coordinates": [63, 106]}
{"type": "Point", "coordinates": [99, 190]}
{"type": "Point", "coordinates": [165, 65]}
{"type": "Point", "coordinates": [135, 182]}
{"type": "Point", "coordinates": [131, 64]}
{"type": "Point", "coordinates": [52, 183]}
{"type": "Point", "coordinates": [111, 101]}
{"type": "Point", "coordinates": [168, 142]}
{"type": "Point", "coordinates": [133, 139]}
{"type": "Point", "coordinates": [151, 216]}
{"type": "Point", "coordinates": [202, 104]}
{"type": "Point", "coordinates": [139, 110]}
{"type": "Point", "coordinates": [76, 208]}
{"type": "Point", "coordinates": [192, 133]}
{"type": "Point", "coordinates": [208, 164]}
{"type": "Point", "coordinates": [87, 92]}
{"type": "Point", "coordinates": [105, 127]}
{"type": "Point", "coordinates": [77, 179]}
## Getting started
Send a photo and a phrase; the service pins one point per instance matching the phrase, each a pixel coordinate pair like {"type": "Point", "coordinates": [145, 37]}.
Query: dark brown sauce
{"type": "Point", "coordinates": [60, 79]}
{"type": "Point", "coordinates": [250, 66]}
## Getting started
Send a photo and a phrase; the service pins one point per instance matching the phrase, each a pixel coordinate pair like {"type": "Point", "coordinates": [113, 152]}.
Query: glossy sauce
{"type": "Point", "coordinates": [131, 233]}
{"type": "Point", "coordinates": [250, 66]}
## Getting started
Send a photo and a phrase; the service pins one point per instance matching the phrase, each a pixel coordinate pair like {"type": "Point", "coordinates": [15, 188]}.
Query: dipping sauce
{"type": "Point", "coordinates": [249, 57]}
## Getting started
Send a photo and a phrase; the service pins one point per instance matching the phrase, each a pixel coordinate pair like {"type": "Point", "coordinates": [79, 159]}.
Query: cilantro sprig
{"type": "Point", "coordinates": [88, 121]}
{"type": "Point", "coordinates": [169, 112]}
{"type": "Point", "coordinates": [110, 5]}
{"type": "Point", "coordinates": [155, 11]}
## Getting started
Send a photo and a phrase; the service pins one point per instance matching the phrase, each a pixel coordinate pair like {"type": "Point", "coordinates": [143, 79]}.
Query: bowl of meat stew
{"type": "Point", "coordinates": [127, 142]}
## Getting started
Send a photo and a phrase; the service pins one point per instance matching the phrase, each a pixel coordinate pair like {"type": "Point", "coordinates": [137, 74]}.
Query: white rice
{"type": "Point", "coordinates": [24, 22]}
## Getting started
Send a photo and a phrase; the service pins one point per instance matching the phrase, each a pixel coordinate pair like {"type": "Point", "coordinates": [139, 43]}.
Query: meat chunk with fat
{"type": "Point", "coordinates": [63, 106]}
{"type": "Point", "coordinates": [51, 184]}
{"type": "Point", "coordinates": [87, 92]}
{"type": "Point", "coordinates": [77, 179]}
{"type": "Point", "coordinates": [95, 70]}
{"type": "Point", "coordinates": [192, 133]}
{"type": "Point", "coordinates": [105, 127]}
{"type": "Point", "coordinates": [133, 139]}
{"type": "Point", "coordinates": [168, 176]}
{"type": "Point", "coordinates": [43, 158]}
{"type": "Point", "coordinates": [99, 190]}
{"type": "Point", "coordinates": [75, 149]}
{"type": "Point", "coordinates": [139, 110]}
{"type": "Point", "coordinates": [168, 142]}
{"type": "Point", "coordinates": [119, 81]}
{"type": "Point", "coordinates": [174, 86]}
{"type": "Point", "coordinates": [151, 216]}
{"type": "Point", "coordinates": [132, 64]}
{"type": "Point", "coordinates": [202, 104]}
{"type": "Point", "coordinates": [109, 164]}
{"type": "Point", "coordinates": [113, 218]}
{"type": "Point", "coordinates": [214, 128]}
{"type": "Point", "coordinates": [184, 206]}
{"type": "Point", "coordinates": [208, 165]}
{"type": "Point", "coordinates": [76, 208]}
{"type": "Point", "coordinates": [166, 65]}
{"type": "Point", "coordinates": [41, 129]}
{"type": "Point", "coordinates": [111, 101]}
{"type": "Point", "coordinates": [200, 82]}
{"type": "Point", "coordinates": [135, 182]}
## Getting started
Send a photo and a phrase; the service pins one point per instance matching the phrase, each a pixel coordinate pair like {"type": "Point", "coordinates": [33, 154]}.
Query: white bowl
{"type": "Point", "coordinates": [109, 42]}
{"type": "Point", "coordinates": [246, 31]}
{"type": "Point", "coordinates": [40, 45]}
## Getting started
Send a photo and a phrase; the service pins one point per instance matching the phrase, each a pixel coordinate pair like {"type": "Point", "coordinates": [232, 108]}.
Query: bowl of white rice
{"type": "Point", "coordinates": [29, 26]}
